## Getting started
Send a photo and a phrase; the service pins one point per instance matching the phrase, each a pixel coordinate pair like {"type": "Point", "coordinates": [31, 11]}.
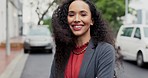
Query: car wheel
{"type": "Point", "coordinates": [26, 50]}
{"type": "Point", "coordinates": [140, 60]}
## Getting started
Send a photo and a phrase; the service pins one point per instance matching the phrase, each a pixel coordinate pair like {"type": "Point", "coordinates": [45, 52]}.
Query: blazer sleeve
{"type": "Point", "coordinates": [105, 61]}
{"type": "Point", "coordinates": [52, 72]}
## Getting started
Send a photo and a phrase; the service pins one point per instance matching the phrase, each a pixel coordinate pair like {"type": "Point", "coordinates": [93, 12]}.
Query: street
{"type": "Point", "coordinates": [38, 66]}
{"type": "Point", "coordinates": [131, 70]}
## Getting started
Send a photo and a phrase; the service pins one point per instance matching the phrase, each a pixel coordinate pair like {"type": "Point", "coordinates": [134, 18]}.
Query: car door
{"type": "Point", "coordinates": [125, 41]}
{"type": "Point", "coordinates": [136, 42]}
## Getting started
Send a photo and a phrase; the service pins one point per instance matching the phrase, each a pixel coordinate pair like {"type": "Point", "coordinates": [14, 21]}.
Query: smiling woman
{"type": "Point", "coordinates": [79, 19]}
{"type": "Point", "coordinates": [84, 45]}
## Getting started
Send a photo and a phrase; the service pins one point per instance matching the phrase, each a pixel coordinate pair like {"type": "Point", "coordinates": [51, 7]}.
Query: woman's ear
{"type": "Point", "coordinates": [92, 22]}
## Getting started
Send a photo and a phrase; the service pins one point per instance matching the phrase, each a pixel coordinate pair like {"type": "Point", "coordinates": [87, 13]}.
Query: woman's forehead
{"type": "Point", "coordinates": [78, 4]}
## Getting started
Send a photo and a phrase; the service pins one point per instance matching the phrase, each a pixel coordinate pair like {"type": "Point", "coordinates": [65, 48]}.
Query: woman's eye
{"type": "Point", "coordinates": [70, 14]}
{"type": "Point", "coordinates": [83, 14]}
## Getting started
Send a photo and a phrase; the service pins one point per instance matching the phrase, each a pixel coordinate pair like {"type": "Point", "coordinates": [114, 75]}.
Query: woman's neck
{"type": "Point", "coordinates": [82, 40]}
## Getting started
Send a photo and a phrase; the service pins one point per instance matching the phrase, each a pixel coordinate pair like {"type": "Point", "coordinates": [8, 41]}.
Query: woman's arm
{"type": "Point", "coordinates": [106, 61]}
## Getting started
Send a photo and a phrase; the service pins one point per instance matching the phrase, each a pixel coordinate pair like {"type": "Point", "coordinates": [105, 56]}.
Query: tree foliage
{"type": "Point", "coordinates": [42, 13]}
{"type": "Point", "coordinates": [112, 11]}
{"type": "Point", "coordinates": [46, 5]}
{"type": "Point", "coordinates": [47, 22]}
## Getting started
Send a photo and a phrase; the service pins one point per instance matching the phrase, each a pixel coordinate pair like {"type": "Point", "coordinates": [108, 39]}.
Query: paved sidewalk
{"type": "Point", "coordinates": [6, 60]}
{"type": "Point", "coordinates": [11, 66]}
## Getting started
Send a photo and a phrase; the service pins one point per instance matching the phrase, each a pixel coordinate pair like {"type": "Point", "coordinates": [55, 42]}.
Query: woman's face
{"type": "Point", "coordinates": [79, 18]}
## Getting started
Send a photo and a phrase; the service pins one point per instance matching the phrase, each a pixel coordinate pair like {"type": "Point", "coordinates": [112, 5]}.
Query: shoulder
{"type": "Point", "coordinates": [104, 48]}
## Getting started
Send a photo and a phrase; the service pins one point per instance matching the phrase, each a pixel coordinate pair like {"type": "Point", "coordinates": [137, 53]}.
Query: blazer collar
{"type": "Point", "coordinates": [86, 60]}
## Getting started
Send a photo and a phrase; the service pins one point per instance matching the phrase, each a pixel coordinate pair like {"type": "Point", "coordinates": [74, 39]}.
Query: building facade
{"type": "Point", "coordinates": [141, 8]}
{"type": "Point", "coordinates": [14, 18]}
{"type": "Point", "coordinates": [142, 16]}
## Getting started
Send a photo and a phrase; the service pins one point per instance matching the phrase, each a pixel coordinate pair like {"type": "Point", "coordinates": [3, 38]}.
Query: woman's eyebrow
{"type": "Point", "coordinates": [70, 11]}
{"type": "Point", "coordinates": [82, 11]}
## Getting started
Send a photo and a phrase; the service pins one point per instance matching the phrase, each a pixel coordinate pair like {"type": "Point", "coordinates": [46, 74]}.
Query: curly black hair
{"type": "Point", "coordinates": [65, 39]}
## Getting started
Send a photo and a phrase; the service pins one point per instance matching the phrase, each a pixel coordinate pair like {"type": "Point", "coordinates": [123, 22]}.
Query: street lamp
{"type": "Point", "coordinates": [31, 6]}
{"type": "Point", "coordinates": [20, 23]}
{"type": "Point", "coordinates": [7, 31]}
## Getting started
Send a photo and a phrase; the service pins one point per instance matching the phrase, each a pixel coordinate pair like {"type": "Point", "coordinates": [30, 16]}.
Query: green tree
{"type": "Point", "coordinates": [47, 22]}
{"type": "Point", "coordinates": [43, 6]}
{"type": "Point", "coordinates": [112, 11]}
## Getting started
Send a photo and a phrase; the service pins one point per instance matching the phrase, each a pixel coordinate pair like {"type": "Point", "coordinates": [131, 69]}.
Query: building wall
{"type": "Point", "coordinates": [139, 16]}
{"type": "Point", "coordinates": [142, 16]}
{"type": "Point", "coordinates": [141, 7]}
{"type": "Point", "coordinates": [2, 20]}
{"type": "Point", "coordinates": [145, 13]}
{"type": "Point", "coordinates": [12, 20]}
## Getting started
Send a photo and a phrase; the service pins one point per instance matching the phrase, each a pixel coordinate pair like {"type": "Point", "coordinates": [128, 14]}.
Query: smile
{"type": "Point", "coordinates": [77, 28]}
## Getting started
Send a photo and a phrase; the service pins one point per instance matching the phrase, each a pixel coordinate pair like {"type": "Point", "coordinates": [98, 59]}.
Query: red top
{"type": "Point", "coordinates": [75, 61]}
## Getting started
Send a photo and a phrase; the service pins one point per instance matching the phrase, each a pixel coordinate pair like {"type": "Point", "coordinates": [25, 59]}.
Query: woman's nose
{"type": "Point", "coordinates": [77, 18]}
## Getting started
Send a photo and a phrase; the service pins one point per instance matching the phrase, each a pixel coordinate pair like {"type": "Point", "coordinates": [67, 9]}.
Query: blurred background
{"type": "Point", "coordinates": [17, 17]}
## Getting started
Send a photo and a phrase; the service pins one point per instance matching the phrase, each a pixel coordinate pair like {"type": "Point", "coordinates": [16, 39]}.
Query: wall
{"type": "Point", "coordinates": [12, 18]}
{"type": "Point", "coordinates": [2, 20]}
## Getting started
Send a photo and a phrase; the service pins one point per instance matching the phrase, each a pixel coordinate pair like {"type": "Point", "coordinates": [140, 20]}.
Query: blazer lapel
{"type": "Point", "coordinates": [86, 60]}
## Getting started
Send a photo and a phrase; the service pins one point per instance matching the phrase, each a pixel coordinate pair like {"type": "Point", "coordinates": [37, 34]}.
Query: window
{"type": "Point", "coordinates": [127, 31]}
{"type": "Point", "coordinates": [145, 31]}
{"type": "Point", "coordinates": [137, 33]}
{"type": "Point", "coordinates": [146, 17]}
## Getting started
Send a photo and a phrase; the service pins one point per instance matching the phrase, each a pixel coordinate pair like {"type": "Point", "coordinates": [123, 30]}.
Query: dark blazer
{"type": "Point", "coordinates": [98, 62]}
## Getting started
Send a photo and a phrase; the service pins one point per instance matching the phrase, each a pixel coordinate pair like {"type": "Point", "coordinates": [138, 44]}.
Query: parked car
{"type": "Point", "coordinates": [39, 37]}
{"type": "Point", "coordinates": [132, 40]}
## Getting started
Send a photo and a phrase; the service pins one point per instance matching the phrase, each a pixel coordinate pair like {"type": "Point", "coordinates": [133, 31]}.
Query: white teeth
{"type": "Point", "coordinates": [78, 26]}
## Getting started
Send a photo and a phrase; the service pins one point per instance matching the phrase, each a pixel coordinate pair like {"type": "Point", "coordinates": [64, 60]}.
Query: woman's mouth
{"type": "Point", "coordinates": [77, 27]}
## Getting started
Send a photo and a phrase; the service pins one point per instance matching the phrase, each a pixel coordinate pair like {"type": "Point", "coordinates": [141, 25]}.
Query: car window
{"type": "Point", "coordinates": [127, 31]}
{"type": "Point", "coordinates": [39, 31]}
{"type": "Point", "coordinates": [146, 31]}
{"type": "Point", "coordinates": [137, 33]}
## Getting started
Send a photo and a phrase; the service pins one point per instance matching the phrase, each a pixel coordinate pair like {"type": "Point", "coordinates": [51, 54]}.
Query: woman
{"type": "Point", "coordinates": [84, 45]}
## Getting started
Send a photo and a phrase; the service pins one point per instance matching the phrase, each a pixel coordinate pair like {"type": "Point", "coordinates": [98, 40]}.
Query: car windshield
{"type": "Point", "coordinates": [146, 31]}
{"type": "Point", "coordinates": [39, 32]}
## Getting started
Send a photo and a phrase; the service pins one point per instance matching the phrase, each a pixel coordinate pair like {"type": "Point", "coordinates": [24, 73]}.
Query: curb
{"type": "Point", "coordinates": [17, 45]}
{"type": "Point", "coordinates": [15, 68]}
{"type": "Point", "coordinates": [15, 42]}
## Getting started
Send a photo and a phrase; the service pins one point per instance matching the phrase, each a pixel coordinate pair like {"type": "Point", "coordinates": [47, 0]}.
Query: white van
{"type": "Point", "coordinates": [132, 40]}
